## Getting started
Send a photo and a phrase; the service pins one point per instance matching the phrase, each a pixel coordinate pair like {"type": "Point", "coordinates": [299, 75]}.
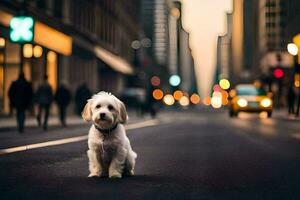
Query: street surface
{"type": "Point", "coordinates": [181, 155]}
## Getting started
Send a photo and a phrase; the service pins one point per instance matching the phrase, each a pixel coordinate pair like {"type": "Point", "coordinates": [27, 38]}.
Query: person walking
{"type": "Point", "coordinates": [291, 99]}
{"type": "Point", "coordinates": [82, 94]}
{"type": "Point", "coordinates": [62, 98]}
{"type": "Point", "coordinates": [20, 95]}
{"type": "Point", "coordinates": [44, 98]}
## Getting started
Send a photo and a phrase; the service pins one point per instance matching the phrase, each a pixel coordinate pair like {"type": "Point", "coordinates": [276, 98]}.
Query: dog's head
{"type": "Point", "coordinates": [105, 110]}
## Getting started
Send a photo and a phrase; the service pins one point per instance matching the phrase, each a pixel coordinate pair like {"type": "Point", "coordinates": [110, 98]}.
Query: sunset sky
{"type": "Point", "coordinates": [205, 20]}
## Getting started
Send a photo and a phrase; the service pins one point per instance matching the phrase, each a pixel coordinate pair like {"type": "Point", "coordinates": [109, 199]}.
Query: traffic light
{"type": "Point", "coordinates": [278, 73]}
{"type": "Point", "coordinates": [21, 29]}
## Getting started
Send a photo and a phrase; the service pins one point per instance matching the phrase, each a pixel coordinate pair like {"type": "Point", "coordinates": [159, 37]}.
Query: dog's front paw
{"type": "Point", "coordinates": [115, 175]}
{"type": "Point", "coordinates": [93, 175]}
{"type": "Point", "coordinates": [131, 173]}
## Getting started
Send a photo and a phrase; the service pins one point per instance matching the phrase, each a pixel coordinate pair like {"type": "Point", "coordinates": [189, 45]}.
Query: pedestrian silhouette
{"type": "Point", "coordinates": [151, 105]}
{"type": "Point", "coordinates": [62, 98]}
{"type": "Point", "coordinates": [291, 99]}
{"type": "Point", "coordinates": [20, 95]}
{"type": "Point", "coordinates": [44, 99]}
{"type": "Point", "coordinates": [82, 94]}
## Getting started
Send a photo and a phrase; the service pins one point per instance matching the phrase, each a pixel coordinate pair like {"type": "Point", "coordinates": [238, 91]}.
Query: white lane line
{"type": "Point", "coordinates": [72, 139]}
{"type": "Point", "coordinates": [151, 122]}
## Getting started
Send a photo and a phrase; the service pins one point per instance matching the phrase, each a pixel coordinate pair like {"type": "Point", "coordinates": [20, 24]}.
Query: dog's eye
{"type": "Point", "coordinates": [98, 106]}
{"type": "Point", "coordinates": [110, 107]}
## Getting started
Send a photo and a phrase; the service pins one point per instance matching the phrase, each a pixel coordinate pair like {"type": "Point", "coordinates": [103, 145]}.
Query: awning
{"type": "Point", "coordinates": [52, 39]}
{"type": "Point", "coordinates": [114, 61]}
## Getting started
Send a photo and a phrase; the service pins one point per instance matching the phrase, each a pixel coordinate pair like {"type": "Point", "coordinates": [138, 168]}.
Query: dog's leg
{"type": "Point", "coordinates": [94, 163]}
{"type": "Point", "coordinates": [130, 163]}
{"type": "Point", "coordinates": [117, 164]}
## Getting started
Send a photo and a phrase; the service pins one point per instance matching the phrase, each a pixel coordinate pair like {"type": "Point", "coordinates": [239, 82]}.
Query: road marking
{"type": "Point", "coordinates": [151, 122]}
{"type": "Point", "coordinates": [147, 123]}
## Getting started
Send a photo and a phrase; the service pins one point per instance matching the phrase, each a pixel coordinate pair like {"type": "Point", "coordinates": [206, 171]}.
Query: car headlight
{"type": "Point", "coordinates": [242, 102]}
{"type": "Point", "coordinates": [266, 102]}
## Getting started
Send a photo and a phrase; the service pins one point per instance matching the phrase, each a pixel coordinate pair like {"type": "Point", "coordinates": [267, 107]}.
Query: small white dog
{"type": "Point", "coordinates": [110, 152]}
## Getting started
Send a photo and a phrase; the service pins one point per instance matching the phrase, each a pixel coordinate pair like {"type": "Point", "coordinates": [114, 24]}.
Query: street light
{"type": "Point", "coordinates": [293, 50]}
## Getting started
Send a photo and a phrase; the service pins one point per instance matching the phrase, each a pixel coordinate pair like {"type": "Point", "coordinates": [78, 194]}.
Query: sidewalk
{"type": "Point", "coordinates": [10, 124]}
{"type": "Point", "coordinates": [282, 114]}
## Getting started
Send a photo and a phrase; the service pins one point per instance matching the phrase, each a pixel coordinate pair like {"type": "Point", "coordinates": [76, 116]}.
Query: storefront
{"type": "Point", "coordinates": [39, 57]}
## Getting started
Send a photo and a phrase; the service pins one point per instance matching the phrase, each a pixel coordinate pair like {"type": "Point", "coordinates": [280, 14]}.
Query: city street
{"type": "Point", "coordinates": [191, 154]}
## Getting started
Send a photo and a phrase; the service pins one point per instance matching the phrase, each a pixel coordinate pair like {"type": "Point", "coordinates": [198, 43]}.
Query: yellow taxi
{"type": "Point", "coordinates": [248, 98]}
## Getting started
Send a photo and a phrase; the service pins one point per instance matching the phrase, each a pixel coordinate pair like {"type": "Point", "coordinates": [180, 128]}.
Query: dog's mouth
{"type": "Point", "coordinates": [104, 120]}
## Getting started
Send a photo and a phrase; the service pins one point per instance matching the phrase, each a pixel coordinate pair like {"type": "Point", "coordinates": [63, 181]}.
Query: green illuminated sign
{"type": "Point", "coordinates": [21, 29]}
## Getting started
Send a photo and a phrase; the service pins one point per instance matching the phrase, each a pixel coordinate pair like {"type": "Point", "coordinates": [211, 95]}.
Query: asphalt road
{"type": "Point", "coordinates": [188, 155]}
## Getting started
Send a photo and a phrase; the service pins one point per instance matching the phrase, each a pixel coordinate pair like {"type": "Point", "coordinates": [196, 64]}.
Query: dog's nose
{"type": "Point", "coordinates": [102, 115]}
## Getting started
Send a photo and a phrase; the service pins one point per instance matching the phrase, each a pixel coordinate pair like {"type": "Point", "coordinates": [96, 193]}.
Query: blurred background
{"type": "Point", "coordinates": [187, 70]}
{"type": "Point", "coordinates": [161, 52]}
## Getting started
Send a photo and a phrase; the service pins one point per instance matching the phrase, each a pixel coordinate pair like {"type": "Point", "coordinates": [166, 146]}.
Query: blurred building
{"type": "Point", "coordinates": [187, 71]}
{"type": "Point", "coordinates": [237, 41]}
{"type": "Point", "coordinates": [271, 35]}
{"type": "Point", "coordinates": [75, 41]}
{"type": "Point", "coordinates": [258, 44]}
{"type": "Point", "coordinates": [224, 61]}
{"type": "Point", "coordinates": [181, 61]}
{"type": "Point", "coordinates": [154, 22]}
{"type": "Point", "coordinates": [292, 29]}
{"type": "Point", "coordinates": [170, 52]}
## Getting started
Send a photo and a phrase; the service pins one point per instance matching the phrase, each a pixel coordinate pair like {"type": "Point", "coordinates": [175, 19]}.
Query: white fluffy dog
{"type": "Point", "coordinates": [110, 152]}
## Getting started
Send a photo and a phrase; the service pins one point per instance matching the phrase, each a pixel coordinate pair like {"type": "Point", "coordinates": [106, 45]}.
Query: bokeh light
{"type": "Point", "coordinates": [37, 51]}
{"type": "Point", "coordinates": [207, 100]}
{"type": "Point", "coordinates": [157, 94]}
{"type": "Point", "coordinates": [216, 102]}
{"type": "Point", "coordinates": [217, 94]}
{"type": "Point", "coordinates": [224, 84]}
{"type": "Point", "coordinates": [184, 101]}
{"type": "Point", "coordinates": [278, 73]}
{"type": "Point", "coordinates": [225, 101]}
{"type": "Point", "coordinates": [232, 93]}
{"type": "Point", "coordinates": [27, 50]}
{"type": "Point", "coordinates": [2, 42]}
{"type": "Point", "coordinates": [257, 84]}
{"type": "Point", "coordinates": [224, 94]}
{"type": "Point", "coordinates": [217, 88]}
{"type": "Point", "coordinates": [169, 99]}
{"type": "Point", "coordinates": [292, 49]}
{"type": "Point", "coordinates": [297, 80]}
{"type": "Point", "coordinates": [195, 99]}
{"type": "Point", "coordinates": [174, 80]}
{"type": "Point", "coordinates": [178, 94]}
{"type": "Point", "coordinates": [155, 81]}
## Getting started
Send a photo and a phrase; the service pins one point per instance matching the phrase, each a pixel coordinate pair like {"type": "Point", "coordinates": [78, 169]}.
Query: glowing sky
{"type": "Point", "coordinates": [205, 20]}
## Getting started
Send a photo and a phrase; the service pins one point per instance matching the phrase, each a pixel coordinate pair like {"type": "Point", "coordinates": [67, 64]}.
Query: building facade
{"type": "Point", "coordinates": [224, 61]}
{"type": "Point", "coordinates": [181, 61]}
{"type": "Point", "coordinates": [80, 42]}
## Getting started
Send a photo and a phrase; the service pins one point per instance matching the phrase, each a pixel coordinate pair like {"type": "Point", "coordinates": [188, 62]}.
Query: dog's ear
{"type": "Point", "coordinates": [87, 112]}
{"type": "Point", "coordinates": [122, 112]}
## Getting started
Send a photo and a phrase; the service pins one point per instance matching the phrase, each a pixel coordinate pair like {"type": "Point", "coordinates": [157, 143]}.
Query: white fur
{"type": "Point", "coordinates": [109, 153]}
